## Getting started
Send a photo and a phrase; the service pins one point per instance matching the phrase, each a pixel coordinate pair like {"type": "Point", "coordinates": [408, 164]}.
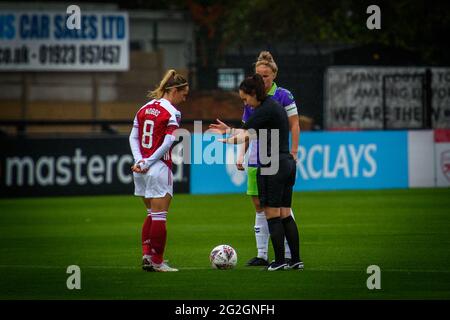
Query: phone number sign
{"type": "Point", "coordinates": [42, 41]}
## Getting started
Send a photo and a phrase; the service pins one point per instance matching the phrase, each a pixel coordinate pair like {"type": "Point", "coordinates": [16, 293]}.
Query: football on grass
{"type": "Point", "coordinates": [223, 257]}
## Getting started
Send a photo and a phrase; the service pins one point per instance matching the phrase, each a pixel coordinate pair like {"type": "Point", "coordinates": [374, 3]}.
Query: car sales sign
{"type": "Point", "coordinates": [51, 41]}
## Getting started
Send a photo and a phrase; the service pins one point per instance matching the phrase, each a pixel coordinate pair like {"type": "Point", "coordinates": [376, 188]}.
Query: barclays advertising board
{"type": "Point", "coordinates": [352, 160]}
{"type": "Point", "coordinates": [326, 161]}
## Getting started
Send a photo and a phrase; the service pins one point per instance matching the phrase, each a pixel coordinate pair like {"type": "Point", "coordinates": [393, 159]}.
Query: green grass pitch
{"type": "Point", "coordinates": [405, 232]}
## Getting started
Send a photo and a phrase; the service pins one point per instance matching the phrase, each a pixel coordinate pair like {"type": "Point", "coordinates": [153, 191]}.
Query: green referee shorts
{"type": "Point", "coordinates": [252, 185]}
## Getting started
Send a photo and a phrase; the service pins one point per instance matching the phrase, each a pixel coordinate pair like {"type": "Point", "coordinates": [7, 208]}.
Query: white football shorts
{"type": "Point", "coordinates": [156, 183]}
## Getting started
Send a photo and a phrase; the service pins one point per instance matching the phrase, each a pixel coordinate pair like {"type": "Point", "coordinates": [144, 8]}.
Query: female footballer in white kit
{"type": "Point", "coordinates": [151, 140]}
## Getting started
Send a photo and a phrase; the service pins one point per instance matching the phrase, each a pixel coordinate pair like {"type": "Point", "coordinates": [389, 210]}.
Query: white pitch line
{"type": "Point", "coordinates": [209, 268]}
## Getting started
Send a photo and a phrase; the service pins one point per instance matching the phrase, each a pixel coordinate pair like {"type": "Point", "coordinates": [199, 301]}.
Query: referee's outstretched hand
{"type": "Point", "coordinates": [219, 127]}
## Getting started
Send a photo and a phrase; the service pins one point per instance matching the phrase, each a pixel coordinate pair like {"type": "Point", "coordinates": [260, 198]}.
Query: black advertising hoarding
{"type": "Point", "coordinates": [71, 166]}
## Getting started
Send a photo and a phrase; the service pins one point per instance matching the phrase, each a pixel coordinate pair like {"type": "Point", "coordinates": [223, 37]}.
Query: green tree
{"type": "Point", "coordinates": [416, 25]}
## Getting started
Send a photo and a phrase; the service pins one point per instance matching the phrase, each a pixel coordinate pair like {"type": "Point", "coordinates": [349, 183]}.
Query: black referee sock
{"type": "Point", "coordinates": [291, 233]}
{"type": "Point", "coordinates": [277, 236]}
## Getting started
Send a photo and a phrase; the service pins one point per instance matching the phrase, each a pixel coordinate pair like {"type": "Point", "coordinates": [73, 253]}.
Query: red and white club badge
{"type": "Point", "coordinates": [445, 164]}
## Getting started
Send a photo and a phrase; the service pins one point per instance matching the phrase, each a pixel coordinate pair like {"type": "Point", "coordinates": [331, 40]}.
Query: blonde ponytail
{"type": "Point", "coordinates": [171, 79]}
{"type": "Point", "coordinates": [265, 58]}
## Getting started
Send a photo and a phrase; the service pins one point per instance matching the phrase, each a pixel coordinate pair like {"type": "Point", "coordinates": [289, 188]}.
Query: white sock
{"type": "Point", "coordinates": [287, 250]}
{"type": "Point", "coordinates": [262, 235]}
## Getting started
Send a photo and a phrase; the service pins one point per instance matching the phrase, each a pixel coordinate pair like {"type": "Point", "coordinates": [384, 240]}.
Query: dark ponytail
{"type": "Point", "coordinates": [254, 85]}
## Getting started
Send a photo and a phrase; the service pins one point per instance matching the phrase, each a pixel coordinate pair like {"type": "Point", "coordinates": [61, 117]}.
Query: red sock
{"type": "Point", "coordinates": [146, 248]}
{"type": "Point", "coordinates": [158, 235]}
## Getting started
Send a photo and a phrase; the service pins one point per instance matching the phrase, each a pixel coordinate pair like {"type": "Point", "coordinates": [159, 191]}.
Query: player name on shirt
{"type": "Point", "coordinates": [153, 111]}
{"type": "Point", "coordinates": [154, 121]}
